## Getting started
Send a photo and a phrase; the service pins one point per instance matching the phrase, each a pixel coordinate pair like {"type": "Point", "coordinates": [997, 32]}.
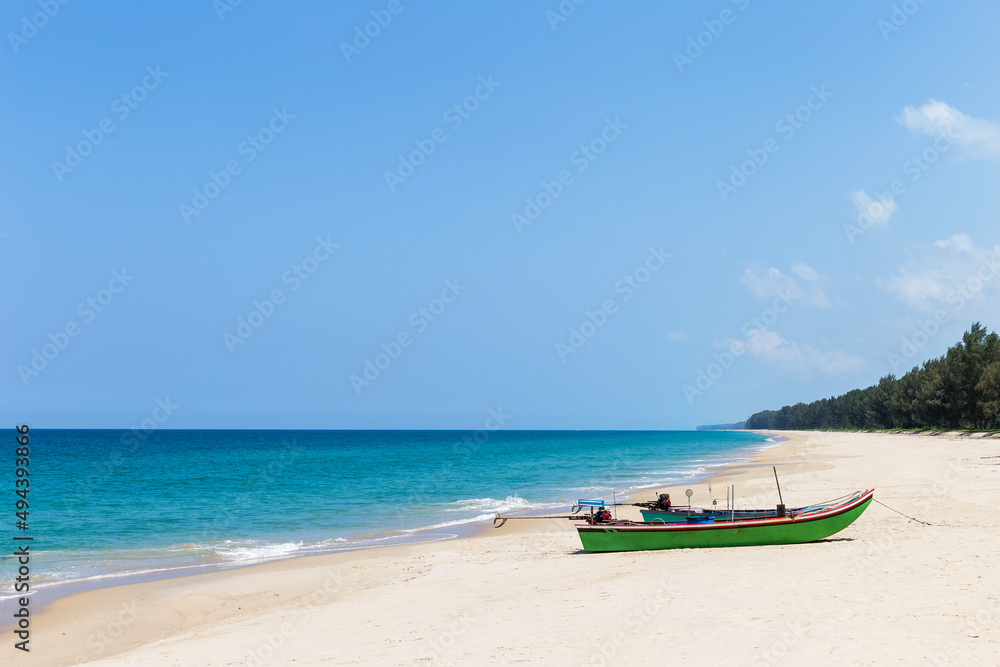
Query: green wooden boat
{"type": "Point", "coordinates": [807, 524]}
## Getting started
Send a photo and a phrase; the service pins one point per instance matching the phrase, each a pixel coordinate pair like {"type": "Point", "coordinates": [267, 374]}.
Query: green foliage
{"type": "Point", "coordinates": [960, 390]}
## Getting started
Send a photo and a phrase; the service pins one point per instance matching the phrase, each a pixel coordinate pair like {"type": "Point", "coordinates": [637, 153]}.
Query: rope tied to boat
{"type": "Point", "coordinates": [900, 513]}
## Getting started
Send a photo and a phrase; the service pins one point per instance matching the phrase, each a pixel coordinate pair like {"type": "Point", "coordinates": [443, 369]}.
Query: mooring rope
{"type": "Point", "coordinates": [900, 513]}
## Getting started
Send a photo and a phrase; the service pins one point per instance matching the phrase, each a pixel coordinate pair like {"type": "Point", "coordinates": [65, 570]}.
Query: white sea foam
{"type": "Point", "coordinates": [486, 509]}
{"type": "Point", "coordinates": [252, 550]}
{"type": "Point", "coordinates": [508, 504]}
{"type": "Point", "coordinates": [402, 537]}
{"type": "Point", "coordinates": [227, 554]}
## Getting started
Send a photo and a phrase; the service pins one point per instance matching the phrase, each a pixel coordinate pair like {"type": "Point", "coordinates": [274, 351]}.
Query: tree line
{"type": "Point", "coordinates": [959, 390]}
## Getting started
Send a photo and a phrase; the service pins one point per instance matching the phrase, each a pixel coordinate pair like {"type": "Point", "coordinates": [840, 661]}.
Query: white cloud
{"type": "Point", "coordinates": [804, 271]}
{"type": "Point", "coordinates": [917, 290]}
{"type": "Point", "coordinates": [960, 242]}
{"type": "Point", "coordinates": [679, 336]}
{"type": "Point", "coordinates": [874, 211]}
{"type": "Point", "coordinates": [950, 273]}
{"type": "Point", "coordinates": [772, 283]}
{"type": "Point", "coordinates": [976, 137]}
{"type": "Point", "coordinates": [767, 283]}
{"type": "Point", "coordinates": [772, 348]}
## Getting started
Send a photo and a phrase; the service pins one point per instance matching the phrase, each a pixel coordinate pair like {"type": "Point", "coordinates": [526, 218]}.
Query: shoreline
{"type": "Point", "coordinates": [462, 529]}
{"type": "Point", "coordinates": [886, 588]}
{"type": "Point", "coordinates": [473, 529]}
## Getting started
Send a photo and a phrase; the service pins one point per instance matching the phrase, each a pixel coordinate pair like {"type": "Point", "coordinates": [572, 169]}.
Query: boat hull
{"type": "Point", "coordinates": [754, 532]}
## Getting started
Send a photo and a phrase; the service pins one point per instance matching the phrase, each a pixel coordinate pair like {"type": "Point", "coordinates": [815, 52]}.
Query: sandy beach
{"type": "Point", "coordinates": [885, 590]}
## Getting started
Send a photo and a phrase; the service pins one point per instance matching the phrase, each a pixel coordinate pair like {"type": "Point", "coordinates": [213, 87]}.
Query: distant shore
{"type": "Point", "coordinates": [885, 589]}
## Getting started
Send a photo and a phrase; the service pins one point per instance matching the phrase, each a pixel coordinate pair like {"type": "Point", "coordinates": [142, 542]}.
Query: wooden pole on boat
{"type": "Point", "coordinates": [781, 501]}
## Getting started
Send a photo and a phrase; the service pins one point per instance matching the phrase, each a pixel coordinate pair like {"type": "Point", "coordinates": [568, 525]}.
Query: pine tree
{"type": "Point", "coordinates": [958, 390]}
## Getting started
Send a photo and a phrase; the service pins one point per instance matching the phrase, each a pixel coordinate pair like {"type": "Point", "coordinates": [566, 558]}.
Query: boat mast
{"type": "Point", "coordinates": [781, 502]}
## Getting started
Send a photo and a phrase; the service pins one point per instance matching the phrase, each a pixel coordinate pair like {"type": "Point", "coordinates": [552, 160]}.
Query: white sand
{"type": "Point", "coordinates": [884, 591]}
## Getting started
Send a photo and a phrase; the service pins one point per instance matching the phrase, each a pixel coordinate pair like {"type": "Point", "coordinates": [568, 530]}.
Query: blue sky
{"type": "Point", "coordinates": [652, 215]}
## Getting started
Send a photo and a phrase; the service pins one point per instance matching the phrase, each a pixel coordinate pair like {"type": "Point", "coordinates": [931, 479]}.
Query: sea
{"type": "Point", "coordinates": [105, 506]}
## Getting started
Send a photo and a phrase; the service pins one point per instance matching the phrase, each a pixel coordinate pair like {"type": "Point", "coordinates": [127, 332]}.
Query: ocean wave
{"type": "Point", "coordinates": [588, 493]}
{"type": "Point", "coordinates": [684, 472]}
{"type": "Point", "coordinates": [252, 550]}
{"type": "Point", "coordinates": [492, 505]}
{"type": "Point", "coordinates": [457, 522]}
{"type": "Point", "coordinates": [70, 577]}
{"type": "Point", "coordinates": [227, 554]}
{"type": "Point", "coordinates": [411, 536]}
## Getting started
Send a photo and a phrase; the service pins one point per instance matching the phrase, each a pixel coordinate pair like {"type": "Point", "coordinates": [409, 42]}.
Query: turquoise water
{"type": "Point", "coordinates": [108, 503]}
